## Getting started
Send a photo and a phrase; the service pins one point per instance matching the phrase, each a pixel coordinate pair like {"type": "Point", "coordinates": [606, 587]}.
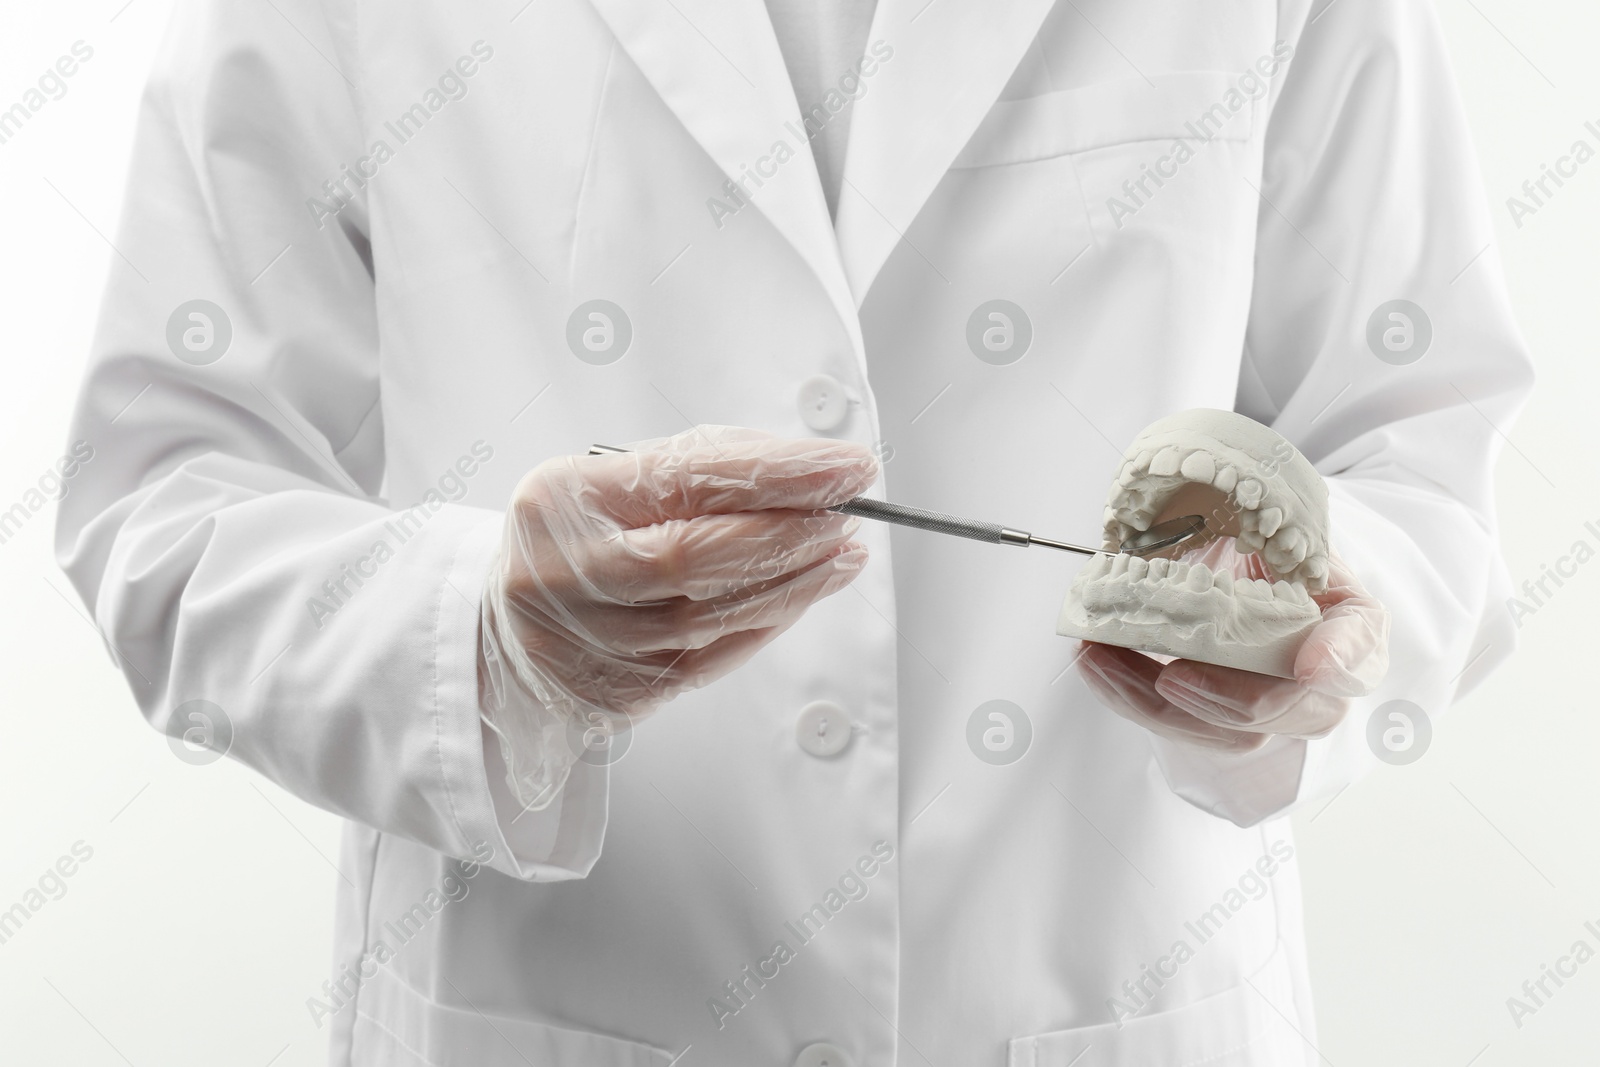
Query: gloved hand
{"type": "Point", "coordinates": [626, 579]}
{"type": "Point", "coordinates": [1345, 656]}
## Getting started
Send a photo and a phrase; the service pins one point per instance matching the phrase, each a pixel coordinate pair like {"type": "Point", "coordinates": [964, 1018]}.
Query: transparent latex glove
{"type": "Point", "coordinates": [623, 580]}
{"type": "Point", "coordinates": [1345, 656]}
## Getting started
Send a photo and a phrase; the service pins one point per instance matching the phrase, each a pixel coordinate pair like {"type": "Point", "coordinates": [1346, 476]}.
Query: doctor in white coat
{"type": "Point", "coordinates": [380, 261]}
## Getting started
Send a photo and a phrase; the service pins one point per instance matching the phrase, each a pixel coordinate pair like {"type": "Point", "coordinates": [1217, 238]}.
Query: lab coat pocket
{"type": "Point", "coordinates": [1250, 1025]}
{"type": "Point", "coordinates": [1161, 158]}
{"type": "Point", "coordinates": [396, 1026]}
{"type": "Point", "coordinates": [1186, 104]}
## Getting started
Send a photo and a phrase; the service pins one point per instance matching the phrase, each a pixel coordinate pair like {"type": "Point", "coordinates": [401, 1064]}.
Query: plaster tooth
{"type": "Point", "coordinates": [1138, 567]}
{"type": "Point", "coordinates": [1158, 567]}
{"type": "Point", "coordinates": [1271, 519]}
{"type": "Point", "coordinates": [1108, 516]}
{"type": "Point", "coordinates": [1223, 580]}
{"type": "Point", "coordinates": [1248, 589]}
{"type": "Point", "coordinates": [1178, 571]}
{"type": "Point", "coordinates": [1292, 548]}
{"type": "Point", "coordinates": [1142, 460]}
{"type": "Point", "coordinates": [1226, 479]}
{"type": "Point", "coordinates": [1317, 570]}
{"type": "Point", "coordinates": [1263, 588]}
{"type": "Point", "coordinates": [1251, 541]}
{"type": "Point", "coordinates": [1198, 467]}
{"type": "Point", "coordinates": [1249, 493]}
{"type": "Point", "coordinates": [1119, 565]}
{"type": "Point", "coordinates": [1122, 499]}
{"type": "Point", "coordinates": [1283, 591]}
{"type": "Point", "coordinates": [1200, 577]}
{"type": "Point", "coordinates": [1129, 475]}
{"type": "Point", "coordinates": [1166, 461]}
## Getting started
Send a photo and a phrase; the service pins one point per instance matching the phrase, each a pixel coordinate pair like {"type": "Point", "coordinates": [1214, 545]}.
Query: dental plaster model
{"type": "Point", "coordinates": [1249, 483]}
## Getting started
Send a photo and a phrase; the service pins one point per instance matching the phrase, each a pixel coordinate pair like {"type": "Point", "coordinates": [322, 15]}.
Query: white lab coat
{"type": "Point", "coordinates": [370, 354]}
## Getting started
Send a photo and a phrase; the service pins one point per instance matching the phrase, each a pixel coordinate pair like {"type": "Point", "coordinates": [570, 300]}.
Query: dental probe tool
{"type": "Point", "coordinates": [1161, 536]}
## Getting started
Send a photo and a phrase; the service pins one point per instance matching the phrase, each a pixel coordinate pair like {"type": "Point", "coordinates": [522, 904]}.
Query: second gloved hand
{"type": "Point", "coordinates": [626, 579]}
{"type": "Point", "coordinates": [1345, 656]}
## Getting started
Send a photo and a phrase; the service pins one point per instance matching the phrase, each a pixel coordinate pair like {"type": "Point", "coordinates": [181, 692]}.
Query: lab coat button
{"type": "Point", "coordinates": [822, 730]}
{"type": "Point", "coordinates": [823, 402]}
{"type": "Point", "coordinates": [821, 1054]}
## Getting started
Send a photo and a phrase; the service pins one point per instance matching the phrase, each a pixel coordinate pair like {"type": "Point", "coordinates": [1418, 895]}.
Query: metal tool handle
{"type": "Point", "coordinates": [939, 522]}
{"type": "Point", "coordinates": [935, 521]}
{"type": "Point", "coordinates": [919, 519]}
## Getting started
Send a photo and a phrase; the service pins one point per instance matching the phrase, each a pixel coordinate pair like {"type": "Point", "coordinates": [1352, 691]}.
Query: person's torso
{"type": "Point", "coordinates": [1043, 299]}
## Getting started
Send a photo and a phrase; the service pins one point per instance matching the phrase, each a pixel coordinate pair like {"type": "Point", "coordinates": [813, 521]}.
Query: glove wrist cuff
{"type": "Point", "coordinates": [529, 719]}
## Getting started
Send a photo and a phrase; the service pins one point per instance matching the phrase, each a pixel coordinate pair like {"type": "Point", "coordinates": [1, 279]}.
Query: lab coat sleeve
{"type": "Point", "coordinates": [226, 532]}
{"type": "Point", "coordinates": [1370, 193]}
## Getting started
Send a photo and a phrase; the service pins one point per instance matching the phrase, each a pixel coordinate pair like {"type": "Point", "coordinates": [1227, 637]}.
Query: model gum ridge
{"type": "Point", "coordinates": [1249, 483]}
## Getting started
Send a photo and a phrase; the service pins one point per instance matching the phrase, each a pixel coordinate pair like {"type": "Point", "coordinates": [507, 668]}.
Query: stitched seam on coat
{"type": "Point", "coordinates": [375, 1021]}
{"type": "Point", "coordinates": [1225, 1052]}
{"type": "Point", "coordinates": [366, 938]}
{"type": "Point", "coordinates": [359, 105]}
{"type": "Point", "coordinates": [1272, 883]}
{"type": "Point", "coordinates": [1083, 199]}
{"type": "Point", "coordinates": [438, 728]}
{"type": "Point", "coordinates": [588, 160]}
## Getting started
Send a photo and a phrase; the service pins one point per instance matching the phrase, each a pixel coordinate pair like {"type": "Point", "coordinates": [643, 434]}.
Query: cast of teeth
{"type": "Point", "coordinates": [1194, 577]}
{"type": "Point", "coordinates": [1147, 480]}
{"type": "Point", "coordinates": [1256, 487]}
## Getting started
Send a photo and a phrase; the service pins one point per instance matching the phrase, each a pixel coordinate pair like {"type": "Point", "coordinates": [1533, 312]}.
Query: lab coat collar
{"type": "Point", "coordinates": [951, 60]}
{"type": "Point", "coordinates": [718, 67]}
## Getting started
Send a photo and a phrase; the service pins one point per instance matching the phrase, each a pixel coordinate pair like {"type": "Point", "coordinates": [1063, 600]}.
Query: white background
{"type": "Point", "coordinates": [202, 923]}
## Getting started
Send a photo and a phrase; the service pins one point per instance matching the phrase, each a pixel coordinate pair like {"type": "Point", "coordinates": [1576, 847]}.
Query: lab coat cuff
{"type": "Point", "coordinates": [1244, 788]}
{"type": "Point", "coordinates": [560, 840]}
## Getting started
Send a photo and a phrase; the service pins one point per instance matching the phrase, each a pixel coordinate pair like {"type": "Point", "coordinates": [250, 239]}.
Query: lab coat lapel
{"type": "Point", "coordinates": [951, 60]}
{"type": "Point", "coordinates": [717, 65]}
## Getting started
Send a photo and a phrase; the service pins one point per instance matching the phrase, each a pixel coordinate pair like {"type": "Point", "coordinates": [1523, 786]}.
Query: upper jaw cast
{"type": "Point", "coordinates": [1246, 480]}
